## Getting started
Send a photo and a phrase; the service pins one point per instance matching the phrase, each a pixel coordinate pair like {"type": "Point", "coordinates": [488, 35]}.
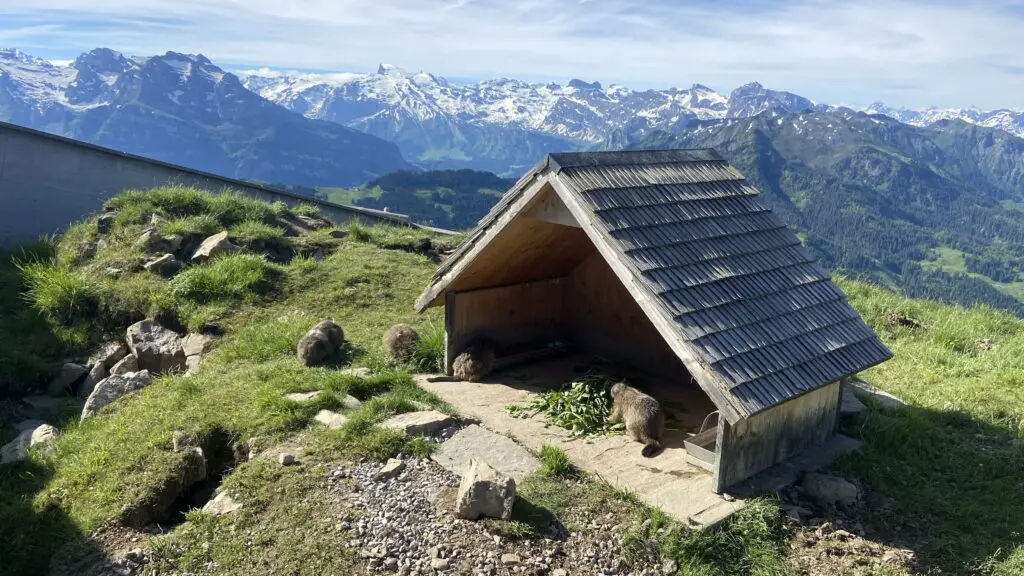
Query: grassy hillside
{"type": "Point", "coordinates": [942, 476]}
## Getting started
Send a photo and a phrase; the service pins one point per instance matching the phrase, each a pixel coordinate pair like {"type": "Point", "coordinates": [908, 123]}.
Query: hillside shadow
{"type": "Point", "coordinates": [32, 535]}
{"type": "Point", "coordinates": [946, 485]}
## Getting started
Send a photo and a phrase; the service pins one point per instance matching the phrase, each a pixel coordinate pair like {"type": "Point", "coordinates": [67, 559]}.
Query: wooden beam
{"type": "Point", "coordinates": [712, 386]}
{"type": "Point", "coordinates": [432, 295]}
{"type": "Point", "coordinates": [449, 337]}
{"type": "Point", "coordinates": [550, 208]}
{"type": "Point", "coordinates": [722, 454]}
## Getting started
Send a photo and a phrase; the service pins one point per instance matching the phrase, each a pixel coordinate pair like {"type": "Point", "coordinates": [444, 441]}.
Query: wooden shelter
{"type": "Point", "coordinates": [669, 261]}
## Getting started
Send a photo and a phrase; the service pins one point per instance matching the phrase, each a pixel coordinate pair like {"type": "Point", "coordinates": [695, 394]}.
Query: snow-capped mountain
{"type": "Point", "coordinates": [1011, 121]}
{"type": "Point", "coordinates": [183, 109]}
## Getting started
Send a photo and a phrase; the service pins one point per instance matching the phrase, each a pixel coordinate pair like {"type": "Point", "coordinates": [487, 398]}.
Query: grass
{"type": "Point", "coordinates": [233, 278]}
{"type": "Point", "coordinates": [58, 291]}
{"type": "Point", "coordinates": [555, 464]}
{"type": "Point", "coordinates": [428, 356]}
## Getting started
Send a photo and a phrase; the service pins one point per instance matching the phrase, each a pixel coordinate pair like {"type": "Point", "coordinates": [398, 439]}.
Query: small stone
{"type": "Point", "coordinates": [669, 566]}
{"type": "Point", "coordinates": [440, 563]}
{"type": "Point", "coordinates": [126, 365]}
{"type": "Point", "coordinates": [213, 246]}
{"type": "Point", "coordinates": [332, 420]}
{"type": "Point", "coordinates": [163, 264]}
{"type": "Point", "coordinates": [361, 372]}
{"type": "Point", "coordinates": [483, 491]}
{"type": "Point", "coordinates": [113, 272]}
{"type": "Point", "coordinates": [391, 563]}
{"type": "Point", "coordinates": [113, 388]}
{"type": "Point", "coordinates": [156, 348]}
{"type": "Point", "coordinates": [509, 559]}
{"type": "Point", "coordinates": [390, 469]}
{"type": "Point", "coordinates": [424, 423]}
{"type": "Point", "coordinates": [559, 572]}
{"type": "Point", "coordinates": [221, 505]}
{"type": "Point", "coordinates": [829, 490]}
{"type": "Point", "coordinates": [30, 437]}
{"type": "Point", "coordinates": [108, 354]}
{"type": "Point", "coordinates": [303, 397]}
{"type": "Point", "coordinates": [286, 459]}
{"type": "Point", "coordinates": [96, 375]}
{"type": "Point", "coordinates": [351, 402]}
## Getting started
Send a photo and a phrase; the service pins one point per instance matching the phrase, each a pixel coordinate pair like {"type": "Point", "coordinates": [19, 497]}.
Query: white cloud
{"type": "Point", "coordinates": [905, 52]}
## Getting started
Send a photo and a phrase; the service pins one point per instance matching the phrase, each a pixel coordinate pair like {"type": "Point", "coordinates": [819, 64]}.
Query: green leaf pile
{"type": "Point", "coordinates": [582, 406]}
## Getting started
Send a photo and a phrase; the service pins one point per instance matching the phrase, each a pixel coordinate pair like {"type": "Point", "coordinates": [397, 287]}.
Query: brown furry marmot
{"type": "Point", "coordinates": [641, 414]}
{"type": "Point", "coordinates": [400, 342]}
{"type": "Point", "coordinates": [475, 362]}
{"type": "Point", "coordinates": [320, 342]}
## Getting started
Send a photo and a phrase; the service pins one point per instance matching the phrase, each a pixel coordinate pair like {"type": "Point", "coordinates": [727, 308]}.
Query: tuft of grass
{"type": "Point", "coordinates": [58, 291]}
{"type": "Point", "coordinates": [258, 231]}
{"type": "Point", "coordinates": [307, 209]}
{"type": "Point", "coordinates": [227, 207]}
{"type": "Point", "coordinates": [234, 277]}
{"type": "Point", "coordinates": [429, 353]}
{"type": "Point", "coordinates": [196, 225]}
{"type": "Point", "coordinates": [358, 233]}
{"type": "Point", "coordinates": [555, 463]}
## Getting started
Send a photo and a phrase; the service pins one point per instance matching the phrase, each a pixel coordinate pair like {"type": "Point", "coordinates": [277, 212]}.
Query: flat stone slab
{"type": "Point", "coordinates": [500, 452]}
{"type": "Point", "coordinates": [301, 397]}
{"type": "Point", "coordinates": [332, 420]}
{"type": "Point", "coordinates": [851, 405]}
{"type": "Point", "coordinates": [424, 423]}
{"type": "Point", "coordinates": [866, 389]}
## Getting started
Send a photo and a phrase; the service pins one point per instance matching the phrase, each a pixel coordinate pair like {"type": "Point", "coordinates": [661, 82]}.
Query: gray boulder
{"type": "Point", "coordinates": [485, 492]}
{"type": "Point", "coordinates": [30, 437]}
{"type": "Point", "coordinates": [96, 375]}
{"type": "Point", "coordinates": [68, 375]}
{"type": "Point", "coordinates": [108, 354]}
{"type": "Point", "coordinates": [164, 264]}
{"type": "Point", "coordinates": [157, 349]}
{"type": "Point", "coordinates": [113, 388]}
{"type": "Point", "coordinates": [126, 365]}
{"type": "Point", "coordinates": [829, 490]}
{"type": "Point", "coordinates": [214, 246]}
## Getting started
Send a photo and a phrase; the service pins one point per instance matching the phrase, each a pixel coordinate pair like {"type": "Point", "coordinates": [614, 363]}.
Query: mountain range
{"type": "Point", "coordinates": [185, 110]}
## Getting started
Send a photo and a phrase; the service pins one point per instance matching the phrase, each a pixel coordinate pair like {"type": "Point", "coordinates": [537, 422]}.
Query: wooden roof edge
{"type": "Point", "coordinates": [512, 203]}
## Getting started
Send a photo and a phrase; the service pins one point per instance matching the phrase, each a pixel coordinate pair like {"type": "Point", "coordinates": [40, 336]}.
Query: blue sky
{"type": "Point", "coordinates": [912, 53]}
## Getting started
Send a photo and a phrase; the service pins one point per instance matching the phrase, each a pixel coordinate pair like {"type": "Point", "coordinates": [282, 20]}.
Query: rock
{"type": "Point", "coordinates": [332, 420]}
{"type": "Point", "coordinates": [214, 246]}
{"type": "Point", "coordinates": [302, 397]}
{"type": "Point", "coordinates": [221, 505]}
{"type": "Point", "coordinates": [669, 566]}
{"type": "Point", "coordinates": [164, 264]}
{"type": "Point", "coordinates": [337, 233]}
{"type": "Point", "coordinates": [510, 559]}
{"type": "Point", "coordinates": [172, 242]}
{"type": "Point", "coordinates": [425, 423]}
{"type": "Point", "coordinates": [485, 492]}
{"type": "Point", "coordinates": [475, 442]}
{"type": "Point", "coordinates": [439, 563]}
{"type": "Point", "coordinates": [87, 250]}
{"type": "Point", "coordinates": [113, 272]}
{"type": "Point", "coordinates": [829, 490]}
{"type": "Point", "coordinates": [126, 365]}
{"type": "Point", "coordinates": [105, 222]}
{"type": "Point", "coordinates": [196, 344]}
{"type": "Point", "coordinates": [192, 364]}
{"type": "Point", "coordinates": [559, 572]}
{"type": "Point", "coordinates": [286, 459]}
{"type": "Point", "coordinates": [400, 342]}
{"type": "Point", "coordinates": [157, 349]}
{"type": "Point", "coordinates": [96, 375]}
{"type": "Point", "coordinates": [362, 372]}
{"type": "Point", "coordinates": [320, 342]}
{"type": "Point", "coordinates": [390, 469]}
{"type": "Point", "coordinates": [351, 402]}
{"type": "Point", "coordinates": [69, 374]}
{"type": "Point", "coordinates": [314, 223]}
{"type": "Point", "coordinates": [17, 449]}
{"type": "Point", "coordinates": [181, 440]}
{"type": "Point", "coordinates": [108, 354]}
{"type": "Point", "coordinates": [113, 388]}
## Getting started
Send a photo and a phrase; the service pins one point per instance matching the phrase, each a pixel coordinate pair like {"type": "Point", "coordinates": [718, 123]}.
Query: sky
{"type": "Point", "coordinates": [904, 52]}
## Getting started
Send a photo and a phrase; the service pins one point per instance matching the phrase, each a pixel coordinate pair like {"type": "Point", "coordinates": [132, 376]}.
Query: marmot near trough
{"type": "Point", "coordinates": [641, 414]}
{"type": "Point", "coordinates": [475, 362]}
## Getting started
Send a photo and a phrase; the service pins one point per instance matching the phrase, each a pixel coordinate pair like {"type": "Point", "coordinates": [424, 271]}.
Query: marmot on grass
{"type": "Point", "coordinates": [320, 342]}
{"type": "Point", "coordinates": [400, 342]}
{"type": "Point", "coordinates": [641, 414]}
{"type": "Point", "coordinates": [475, 362]}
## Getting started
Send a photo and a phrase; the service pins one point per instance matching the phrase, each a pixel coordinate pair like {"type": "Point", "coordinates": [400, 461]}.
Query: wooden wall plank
{"type": "Point", "coordinates": [508, 315]}
{"type": "Point", "coordinates": [769, 437]}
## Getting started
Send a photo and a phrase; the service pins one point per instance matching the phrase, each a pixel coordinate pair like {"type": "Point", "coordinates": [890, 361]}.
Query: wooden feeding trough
{"type": "Point", "coordinates": [666, 260]}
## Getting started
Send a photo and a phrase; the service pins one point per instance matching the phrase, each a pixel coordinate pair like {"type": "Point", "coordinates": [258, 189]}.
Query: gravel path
{"type": "Point", "coordinates": [403, 525]}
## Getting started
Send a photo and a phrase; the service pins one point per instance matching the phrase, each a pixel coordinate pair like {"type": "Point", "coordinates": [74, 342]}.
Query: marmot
{"type": "Point", "coordinates": [320, 342]}
{"type": "Point", "coordinates": [400, 342]}
{"type": "Point", "coordinates": [641, 414]}
{"type": "Point", "coordinates": [475, 362]}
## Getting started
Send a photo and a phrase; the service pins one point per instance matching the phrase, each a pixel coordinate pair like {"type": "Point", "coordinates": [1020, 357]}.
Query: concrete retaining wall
{"type": "Point", "coordinates": [47, 182]}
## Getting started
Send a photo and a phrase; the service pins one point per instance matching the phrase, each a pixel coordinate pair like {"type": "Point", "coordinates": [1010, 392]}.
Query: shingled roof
{"type": "Point", "coordinates": [727, 284]}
